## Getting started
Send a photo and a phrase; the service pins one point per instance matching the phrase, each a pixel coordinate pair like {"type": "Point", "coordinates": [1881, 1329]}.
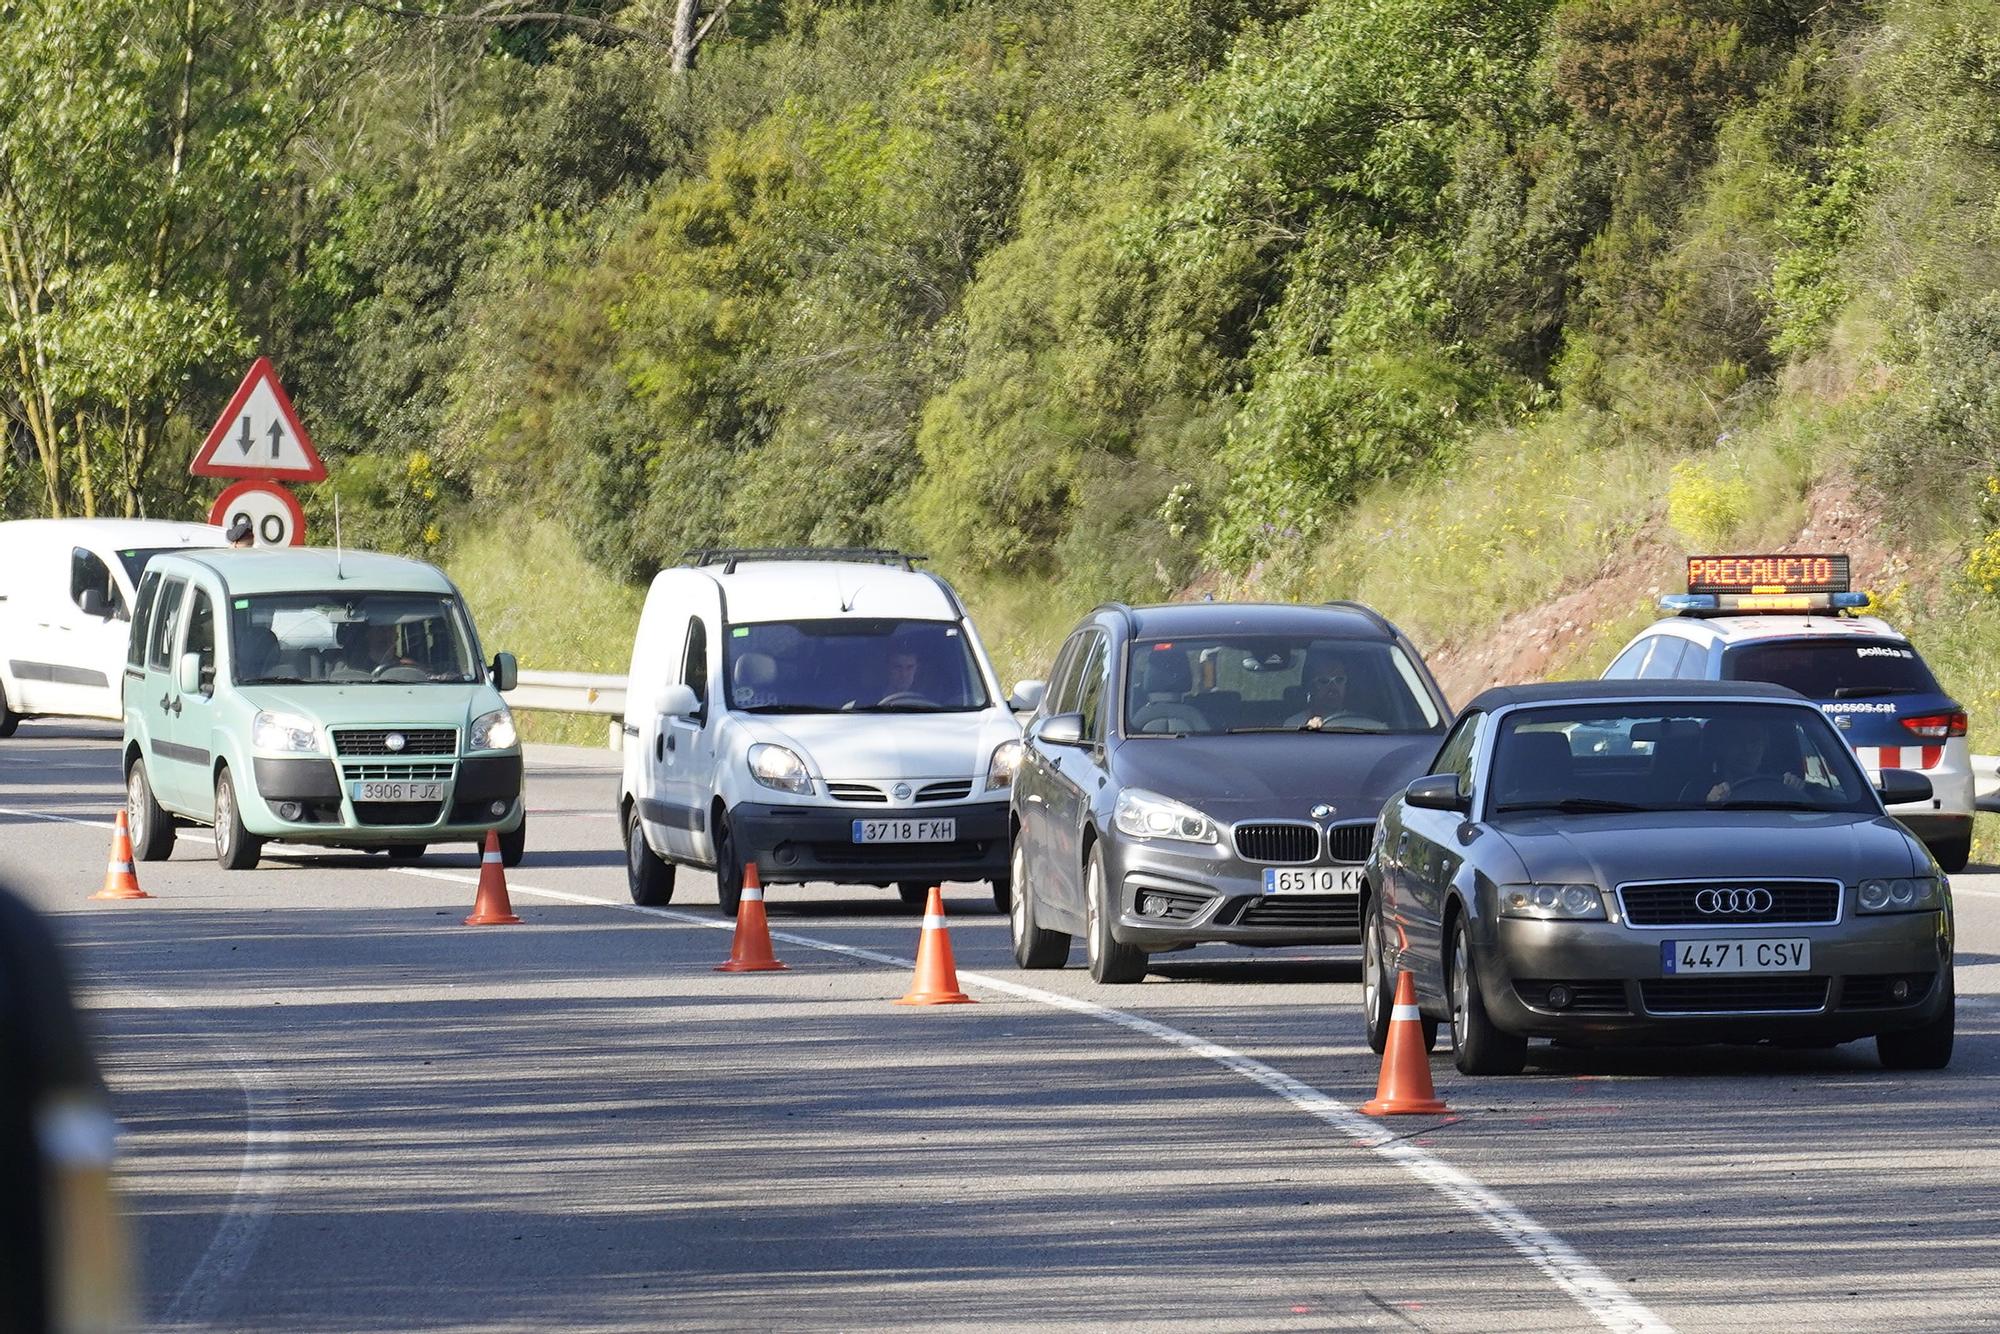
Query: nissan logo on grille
{"type": "Point", "coordinates": [1733, 902]}
{"type": "Point", "coordinates": [394, 741]}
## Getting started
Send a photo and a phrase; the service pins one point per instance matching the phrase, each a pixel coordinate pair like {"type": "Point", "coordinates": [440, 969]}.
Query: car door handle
{"type": "Point", "coordinates": [670, 741]}
{"type": "Point", "coordinates": [172, 705]}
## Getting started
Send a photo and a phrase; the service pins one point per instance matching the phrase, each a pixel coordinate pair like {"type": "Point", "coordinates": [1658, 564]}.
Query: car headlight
{"type": "Point", "coordinates": [1553, 903]}
{"type": "Point", "coordinates": [1145, 814]}
{"type": "Point", "coordinates": [283, 731]}
{"type": "Point", "coordinates": [777, 767]}
{"type": "Point", "coordinates": [1924, 893]}
{"type": "Point", "coordinates": [1001, 768]}
{"type": "Point", "coordinates": [494, 731]}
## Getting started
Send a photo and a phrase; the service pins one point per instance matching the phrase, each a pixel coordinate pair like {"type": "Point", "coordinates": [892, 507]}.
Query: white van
{"type": "Point", "coordinates": [67, 588]}
{"type": "Point", "coordinates": [827, 713]}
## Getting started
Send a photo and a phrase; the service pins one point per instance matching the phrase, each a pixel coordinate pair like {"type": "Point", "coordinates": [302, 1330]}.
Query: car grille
{"type": "Point", "coordinates": [896, 854]}
{"type": "Point", "coordinates": [1304, 912]}
{"type": "Point", "coordinates": [411, 773]}
{"type": "Point", "coordinates": [398, 812]}
{"type": "Point", "coordinates": [1733, 995]}
{"type": "Point", "coordinates": [1350, 842]}
{"type": "Point", "coordinates": [957, 791]}
{"type": "Point", "coordinates": [856, 792]}
{"type": "Point", "coordinates": [1594, 996]}
{"type": "Point", "coordinates": [1675, 905]}
{"type": "Point", "coordinates": [1277, 842]}
{"type": "Point", "coordinates": [1870, 991]}
{"type": "Point", "coordinates": [416, 741]}
{"type": "Point", "coordinates": [1170, 905]}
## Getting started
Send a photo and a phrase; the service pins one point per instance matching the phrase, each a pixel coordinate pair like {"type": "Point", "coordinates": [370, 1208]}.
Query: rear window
{"type": "Point", "coordinates": [1834, 668]}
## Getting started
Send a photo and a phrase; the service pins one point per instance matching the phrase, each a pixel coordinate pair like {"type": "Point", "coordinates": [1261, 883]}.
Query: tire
{"type": "Point", "coordinates": [514, 843]}
{"type": "Point", "coordinates": [1952, 853]}
{"type": "Point", "coordinates": [1478, 1047]}
{"type": "Point", "coordinates": [648, 876]}
{"type": "Point", "coordinates": [728, 869]}
{"type": "Point", "coordinates": [1034, 946]}
{"type": "Point", "coordinates": [407, 852]}
{"type": "Point", "coordinates": [1003, 895]}
{"type": "Point", "coordinates": [1112, 962]}
{"type": "Point", "coordinates": [1926, 1048]}
{"type": "Point", "coordinates": [9, 720]}
{"type": "Point", "coordinates": [914, 893]}
{"type": "Point", "coordinates": [150, 827]}
{"type": "Point", "coordinates": [1378, 992]}
{"type": "Point", "coordinates": [236, 848]}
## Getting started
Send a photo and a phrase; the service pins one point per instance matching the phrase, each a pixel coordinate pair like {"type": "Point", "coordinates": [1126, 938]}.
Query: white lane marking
{"type": "Point", "coordinates": [1590, 1287]}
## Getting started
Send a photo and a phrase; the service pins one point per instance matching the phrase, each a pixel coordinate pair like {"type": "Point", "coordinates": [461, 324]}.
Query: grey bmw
{"type": "Point", "coordinates": [1642, 861]}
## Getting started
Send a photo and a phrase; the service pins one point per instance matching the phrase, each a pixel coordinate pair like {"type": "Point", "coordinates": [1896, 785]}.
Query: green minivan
{"type": "Point", "coordinates": [314, 696]}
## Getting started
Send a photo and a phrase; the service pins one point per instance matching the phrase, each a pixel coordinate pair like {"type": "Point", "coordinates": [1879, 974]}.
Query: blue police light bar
{"type": "Point", "coordinates": [1849, 601]}
{"type": "Point", "coordinates": [1690, 602]}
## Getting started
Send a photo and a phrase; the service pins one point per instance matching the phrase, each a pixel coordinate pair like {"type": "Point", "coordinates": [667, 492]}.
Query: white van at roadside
{"type": "Point", "coordinates": [827, 713]}
{"type": "Point", "coordinates": [67, 588]}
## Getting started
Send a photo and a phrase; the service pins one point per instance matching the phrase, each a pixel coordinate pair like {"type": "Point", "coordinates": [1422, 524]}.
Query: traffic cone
{"type": "Point", "coordinates": [120, 880]}
{"type": "Point", "coordinates": [750, 950]}
{"type": "Point", "coordinates": [490, 907]}
{"type": "Point", "coordinates": [936, 982]}
{"type": "Point", "coordinates": [1405, 1086]}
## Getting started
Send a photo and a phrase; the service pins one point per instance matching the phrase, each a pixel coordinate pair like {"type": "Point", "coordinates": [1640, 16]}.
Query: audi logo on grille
{"type": "Point", "coordinates": [1732, 902]}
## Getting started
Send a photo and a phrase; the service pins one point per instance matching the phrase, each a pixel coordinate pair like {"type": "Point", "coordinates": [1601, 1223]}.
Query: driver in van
{"type": "Point", "coordinates": [374, 648]}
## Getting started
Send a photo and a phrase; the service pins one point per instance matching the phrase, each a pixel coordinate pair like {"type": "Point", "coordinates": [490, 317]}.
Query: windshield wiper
{"type": "Point", "coordinates": [1572, 806]}
{"type": "Point", "coordinates": [786, 708]}
{"type": "Point", "coordinates": [1331, 731]}
{"type": "Point", "coordinates": [1766, 806]}
{"type": "Point", "coordinates": [1869, 692]}
{"type": "Point", "coordinates": [288, 681]}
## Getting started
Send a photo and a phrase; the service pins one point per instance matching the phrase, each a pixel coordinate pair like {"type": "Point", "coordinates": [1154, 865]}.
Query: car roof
{"type": "Point", "coordinates": [812, 590]}
{"type": "Point", "coordinates": [1745, 629]}
{"type": "Point", "coordinates": [1209, 618]}
{"type": "Point", "coordinates": [119, 532]}
{"type": "Point", "coordinates": [1564, 692]}
{"type": "Point", "coordinates": [263, 570]}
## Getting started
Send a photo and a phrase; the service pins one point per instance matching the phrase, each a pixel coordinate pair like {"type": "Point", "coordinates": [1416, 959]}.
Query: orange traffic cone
{"type": "Point", "coordinates": [1405, 1086]}
{"type": "Point", "coordinates": [936, 982]}
{"type": "Point", "coordinates": [120, 880]}
{"type": "Point", "coordinates": [490, 907]}
{"type": "Point", "coordinates": [750, 951]}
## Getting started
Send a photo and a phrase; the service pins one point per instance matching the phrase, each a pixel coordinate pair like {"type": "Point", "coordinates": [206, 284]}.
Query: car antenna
{"type": "Point", "coordinates": [339, 570]}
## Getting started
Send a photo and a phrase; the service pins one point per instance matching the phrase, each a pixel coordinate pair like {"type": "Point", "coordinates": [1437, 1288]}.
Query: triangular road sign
{"type": "Point", "coordinates": [259, 435]}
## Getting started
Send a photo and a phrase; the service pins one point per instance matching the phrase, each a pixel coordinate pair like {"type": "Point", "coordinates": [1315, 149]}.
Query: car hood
{"type": "Point", "coordinates": [1610, 850]}
{"type": "Point", "coordinates": [865, 746]}
{"type": "Point", "coordinates": [428, 705]}
{"type": "Point", "coordinates": [1278, 775]}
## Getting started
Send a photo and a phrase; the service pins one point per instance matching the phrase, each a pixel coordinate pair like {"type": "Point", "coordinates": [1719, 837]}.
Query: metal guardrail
{"type": "Point", "coordinates": [1986, 782]}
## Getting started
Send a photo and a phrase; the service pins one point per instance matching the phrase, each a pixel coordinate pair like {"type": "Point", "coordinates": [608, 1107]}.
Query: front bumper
{"type": "Point", "coordinates": [1621, 992]}
{"type": "Point", "coordinates": [1172, 896]}
{"type": "Point", "coordinates": [794, 844]}
{"type": "Point", "coordinates": [322, 790]}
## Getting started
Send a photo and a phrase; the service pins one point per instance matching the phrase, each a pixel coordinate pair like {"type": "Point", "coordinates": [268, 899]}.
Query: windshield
{"type": "Point", "coordinates": [1834, 668]}
{"type": "Point", "coordinates": [1274, 683]}
{"type": "Point", "coordinates": [134, 559]}
{"type": "Point", "coordinates": [351, 638]}
{"type": "Point", "coordinates": [852, 666]}
{"type": "Point", "coordinates": [1680, 756]}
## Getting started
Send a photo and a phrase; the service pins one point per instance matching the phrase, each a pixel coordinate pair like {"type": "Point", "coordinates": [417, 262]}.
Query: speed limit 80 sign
{"type": "Point", "coordinates": [274, 514]}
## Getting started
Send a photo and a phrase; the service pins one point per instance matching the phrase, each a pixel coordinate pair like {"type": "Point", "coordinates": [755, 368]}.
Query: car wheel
{"type": "Point", "coordinates": [915, 893]}
{"type": "Point", "coordinates": [1003, 895]}
{"type": "Point", "coordinates": [1034, 945]}
{"type": "Point", "coordinates": [648, 876]}
{"type": "Point", "coordinates": [1952, 854]}
{"type": "Point", "coordinates": [236, 848]}
{"type": "Point", "coordinates": [407, 852]}
{"type": "Point", "coordinates": [1926, 1048]}
{"type": "Point", "coordinates": [514, 843]}
{"type": "Point", "coordinates": [1111, 961]}
{"type": "Point", "coordinates": [728, 869]}
{"type": "Point", "coordinates": [149, 827]}
{"type": "Point", "coordinates": [1378, 988]}
{"type": "Point", "coordinates": [1478, 1047]}
{"type": "Point", "coordinates": [9, 720]}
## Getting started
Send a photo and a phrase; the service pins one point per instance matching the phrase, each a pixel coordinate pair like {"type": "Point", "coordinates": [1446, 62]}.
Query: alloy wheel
{"type": "Point", "coordinates": [1371, 966]}
{"type": "Point", "coordinates": [135, 807]}
{"type": "Point", "coordinates": [1017, 910]}
{"type": "Point", "coordinates": [1460, 993]}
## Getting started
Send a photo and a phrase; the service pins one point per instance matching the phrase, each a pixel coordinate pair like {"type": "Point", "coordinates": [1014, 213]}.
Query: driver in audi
{"type": "Point", "coordinates": [1741, 761]}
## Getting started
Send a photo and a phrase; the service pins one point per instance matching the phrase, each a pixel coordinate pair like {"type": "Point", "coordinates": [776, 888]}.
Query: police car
{"type": "Point", "coordinates": [1791, 620]}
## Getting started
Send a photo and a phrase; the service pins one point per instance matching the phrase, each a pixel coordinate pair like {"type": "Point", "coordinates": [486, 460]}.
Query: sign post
{"type": "Point", "coordinates": [259, 441]}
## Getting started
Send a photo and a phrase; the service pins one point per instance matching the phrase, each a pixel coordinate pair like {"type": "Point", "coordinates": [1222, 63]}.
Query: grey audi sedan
{"type": "Point", "coordinates": [1650, 861]}
{"type": "Point", "coordinates": [1211, 772]}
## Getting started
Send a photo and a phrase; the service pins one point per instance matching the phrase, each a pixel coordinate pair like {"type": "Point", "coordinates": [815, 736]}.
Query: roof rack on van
{"type": "Point", "coordinates": [728, 557]}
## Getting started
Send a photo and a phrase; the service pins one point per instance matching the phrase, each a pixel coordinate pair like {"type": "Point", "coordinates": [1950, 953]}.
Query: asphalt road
{"type": "Point", "coordinates": [345, 1111]}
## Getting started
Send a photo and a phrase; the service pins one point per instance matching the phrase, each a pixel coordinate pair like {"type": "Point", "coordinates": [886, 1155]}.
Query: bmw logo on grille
{"type": "Point", "coordinates": [1321, 811]}
{"type": "Point", "coordinates": [901, 792]}
{"type": "Point", "coordinates": [395, 741]}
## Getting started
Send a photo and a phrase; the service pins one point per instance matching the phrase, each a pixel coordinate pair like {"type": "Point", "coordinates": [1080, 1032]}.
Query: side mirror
{"type": "Point", "coordinates": [1437, 792]}
{"type": "Point", "coordinates": [506, 672]}
{"type": "Point", "coordinates": [1027, 696]}
{"type": "Point", "coordinates": [93, 603]}
{"type": "Point", "coordinates": [1900, 787]}
{"type": "Point", "coordinates": [187, 674]}
{"type": "Point", "coordinates": [1065, 729]}
{"type": "Point", "coordinates": [676, 701]}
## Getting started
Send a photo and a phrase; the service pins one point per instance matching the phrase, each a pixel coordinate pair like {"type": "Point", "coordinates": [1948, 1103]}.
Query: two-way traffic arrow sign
{"type": "Point", "coordinates": [258, 435]}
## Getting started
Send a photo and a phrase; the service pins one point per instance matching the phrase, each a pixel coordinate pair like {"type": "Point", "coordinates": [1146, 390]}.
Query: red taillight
{"type": "Point", "coordinates": [1937, 726]}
